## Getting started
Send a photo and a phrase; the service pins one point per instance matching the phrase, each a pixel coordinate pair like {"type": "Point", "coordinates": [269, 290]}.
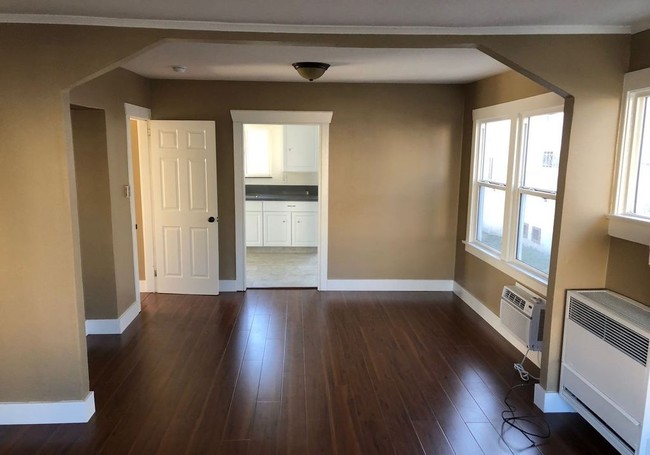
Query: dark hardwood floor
{"type": "Point", "coordinates": [303, 372]}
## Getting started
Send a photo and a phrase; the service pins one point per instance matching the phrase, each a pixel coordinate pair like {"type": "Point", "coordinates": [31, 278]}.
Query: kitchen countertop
{"type": "Point", "coordinates": [281, 193]}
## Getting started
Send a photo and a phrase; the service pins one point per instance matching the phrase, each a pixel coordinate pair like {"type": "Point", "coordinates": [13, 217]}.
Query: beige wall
{"type": "Point", "coordinates": [628, 272]}
{"type": "Point", "coordinates": [109, 92]}
{"type": "Point", "coordinates": [94, 204]}
{"type": "Point", "coordinates": [42, 343]}
{"type": "Point", "coordinates": [393, 168]}
{"type": "Point", "coordinates": [475, 275]}
{"type": "Point", "coordinates": [137, 192]}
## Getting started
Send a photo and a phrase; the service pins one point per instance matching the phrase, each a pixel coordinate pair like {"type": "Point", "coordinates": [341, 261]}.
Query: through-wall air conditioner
{"type": "Point", "coordinates": [522, 313]}
{"type": "Point", "coordinates": [605, 372]}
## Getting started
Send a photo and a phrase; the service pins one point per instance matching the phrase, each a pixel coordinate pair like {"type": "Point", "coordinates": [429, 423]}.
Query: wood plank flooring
{"type": "Point", "coordinates": [303, 372]}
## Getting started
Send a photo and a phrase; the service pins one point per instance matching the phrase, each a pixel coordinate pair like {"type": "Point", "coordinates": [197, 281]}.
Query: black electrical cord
{"type": "Point", "coordinates": [515, 421]}
{"type": "Point", "coordinates": [512, 420]}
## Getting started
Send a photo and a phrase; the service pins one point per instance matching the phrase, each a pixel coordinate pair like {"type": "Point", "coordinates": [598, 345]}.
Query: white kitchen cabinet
{"type": "Point", "coordinates": [277, 228]}
{"type": "Point", "coordinates": [301, 144]}
{"type": "Point", "coordinates": [254, 232]}
{"type": "Point", "coordinates": [281, 223]}
{"type": "Point", "coordinates": [304, 228]}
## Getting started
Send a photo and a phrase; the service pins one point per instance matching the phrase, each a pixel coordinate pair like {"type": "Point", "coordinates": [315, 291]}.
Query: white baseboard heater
{"type": "Point", "coordinates": [604, 373]}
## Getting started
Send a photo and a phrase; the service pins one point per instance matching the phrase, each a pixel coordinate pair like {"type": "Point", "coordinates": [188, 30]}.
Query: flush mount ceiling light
{"type": "Point", "coordinates": [310, 70]}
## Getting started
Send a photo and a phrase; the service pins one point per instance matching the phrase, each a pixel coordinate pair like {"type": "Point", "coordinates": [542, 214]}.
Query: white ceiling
{"type": "Point", "coordinates": [272, 63]}
{"type": "Point", "coordinates": [259, 62]}
{"type": "Point", "coordinates": [371, 13]}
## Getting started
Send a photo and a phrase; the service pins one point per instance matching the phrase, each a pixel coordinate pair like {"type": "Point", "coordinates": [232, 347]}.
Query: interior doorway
{"type": "Point", "coordinates": [173, 195]}
{"type": "Point", "coordinates": [281, 197]}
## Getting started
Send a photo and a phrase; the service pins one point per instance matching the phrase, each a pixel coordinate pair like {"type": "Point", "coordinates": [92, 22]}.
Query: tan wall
{"type": "Point", "coordinates": [109, 92]}
{"type": "Point", "coordinates": [628, 272]}
{"type": "Point", "coordinates": [137, 191]}
{"type": "Point", "coordinates": [94, 204]}
{"type": "Point", "coordinates": [475, 275]}
{"type": "Point", "coordinates": [393, 168]}
{"type": "Point", "coordinates": [42, 343]}
{"type": "Point", "coordinates": [640, 51]}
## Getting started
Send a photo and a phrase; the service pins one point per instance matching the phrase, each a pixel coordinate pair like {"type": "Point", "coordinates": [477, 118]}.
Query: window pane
{"type": "Point", "coordinates": [535, 231]}
{"type": "Point", "coordinates": [543, 151]}
{"type": "Point", "coordinates": [642, 199]}
{"type": "Point", "coordinates": [489, 229]}
{"type": "Point", "coordinates": [495, 137]}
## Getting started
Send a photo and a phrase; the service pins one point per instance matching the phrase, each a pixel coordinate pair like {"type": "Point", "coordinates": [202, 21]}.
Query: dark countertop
{"type": "Point", "coordinates": [281, 193]}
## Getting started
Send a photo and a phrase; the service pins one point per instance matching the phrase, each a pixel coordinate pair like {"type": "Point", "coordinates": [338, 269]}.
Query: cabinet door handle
{"type": "Point", "coordinates": [290, 205]}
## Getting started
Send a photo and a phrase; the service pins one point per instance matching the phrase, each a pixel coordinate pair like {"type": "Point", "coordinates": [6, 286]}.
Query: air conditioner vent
{"type": "Point", "coordinates": [617, 335]}
{"type": "Point", "coordinates": [514, 298]}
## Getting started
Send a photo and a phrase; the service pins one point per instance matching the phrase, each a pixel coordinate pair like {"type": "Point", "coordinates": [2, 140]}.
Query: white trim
{"type": "Point", "coordinates": [48, 412]}
{"type": "Point", "coordinates": [316, 29]}
{"type": "Point", "coordinates": [239, 117]}
{"type": "Point", "coordinates": [550, 402]}
{"type": "Point", "coordinates": [509, 109]}
{"type": "Point", "coordinates": [388, 285]}
{"type": "Point", "coordinates": [229, 286]}
{"type": "Point", "coordinates": [135, 112]}
{"type": "Point", "coordinates": [113, 326]}
{"type": "Point", "coordinates": [629, 228]}
{"type": "Point", "coordinates": [494, 321]}
{"type": "Point", "coordinates": [143, 286]}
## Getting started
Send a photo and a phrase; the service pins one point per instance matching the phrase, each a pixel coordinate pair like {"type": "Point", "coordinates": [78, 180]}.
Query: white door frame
{"type": "Point", "coordinates": [140, 113]}
{"type": "Point", "coordinates": [239, 118]}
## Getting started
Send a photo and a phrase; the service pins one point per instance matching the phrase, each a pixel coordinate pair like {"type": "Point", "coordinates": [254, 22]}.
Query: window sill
{"type": "Point", "coordinates": [533, 282]}
{"type": "Point", "coordinates": [629, 228]}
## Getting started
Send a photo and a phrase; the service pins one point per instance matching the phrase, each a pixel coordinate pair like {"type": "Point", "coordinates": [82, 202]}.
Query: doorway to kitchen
{"type": "Point", "coordinates": [281, 197]}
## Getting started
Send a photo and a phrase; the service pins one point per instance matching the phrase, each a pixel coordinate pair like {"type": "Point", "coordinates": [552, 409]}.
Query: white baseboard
{"type": "Point", "coordinates": [113, 326]}
{"type": "Point", "coordinates": [387, 285]}
{"type": "Point", "coordinates": [48, 412]}
{"type": "Point", "coordinates": [550, 402]}
{"type": "Point", "coordinates": [230, 286]}
{"type": "Point", "coordinates": [492, 319]}
{"type": "Point", "coordinates": [143, 286]}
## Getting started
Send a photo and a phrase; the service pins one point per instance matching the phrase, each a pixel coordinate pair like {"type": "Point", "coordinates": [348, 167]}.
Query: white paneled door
{"type": "Point", "coordinates": [184, 187]}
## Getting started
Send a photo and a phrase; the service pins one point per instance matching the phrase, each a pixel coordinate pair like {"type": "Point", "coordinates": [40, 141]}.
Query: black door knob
{"type": "Point", "coordinates": [211, 219]}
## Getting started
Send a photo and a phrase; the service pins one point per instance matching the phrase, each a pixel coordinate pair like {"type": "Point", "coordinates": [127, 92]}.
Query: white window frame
{"type": "Point", "coordinates": [505, 260]}
{"type": "Point", "coordinates": [623, 223]}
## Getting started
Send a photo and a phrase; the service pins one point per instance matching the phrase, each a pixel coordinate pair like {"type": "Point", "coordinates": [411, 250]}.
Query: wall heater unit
{"type": "Point", "coordinates": [522, 313]}
{"type": "Point", "coordinates": [604, 373]}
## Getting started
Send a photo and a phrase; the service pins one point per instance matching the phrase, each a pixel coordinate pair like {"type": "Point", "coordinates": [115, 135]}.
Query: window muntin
{"type": "Point", "coordinates": [524, 185]}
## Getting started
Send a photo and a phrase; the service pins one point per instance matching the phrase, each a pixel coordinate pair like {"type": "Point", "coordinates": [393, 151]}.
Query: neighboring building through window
{"type": "Point", "coordinates": [516, 150]}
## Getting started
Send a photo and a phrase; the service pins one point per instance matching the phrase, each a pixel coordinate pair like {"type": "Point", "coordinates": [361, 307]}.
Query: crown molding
{"type": "Point", "coordinates": [51, 19]}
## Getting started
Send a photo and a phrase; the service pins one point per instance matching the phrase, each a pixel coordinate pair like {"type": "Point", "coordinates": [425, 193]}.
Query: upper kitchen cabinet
{"type": "Point", "coordinates": [301, 144]}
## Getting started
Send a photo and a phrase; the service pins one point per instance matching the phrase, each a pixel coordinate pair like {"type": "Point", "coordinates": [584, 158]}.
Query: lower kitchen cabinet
{"type": "Point", "coordinates": [281, 223]}
{"type": "Point", "coordinates": [277, 228]}
{"type": "Point", "coordinates": [254, 231]}
{"type": "Point", "coordinates": [304, 228]}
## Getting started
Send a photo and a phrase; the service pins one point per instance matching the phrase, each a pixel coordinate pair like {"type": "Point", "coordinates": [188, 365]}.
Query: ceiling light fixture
{"type": "Point", "coordinates": [179, 68]}
{"type": "Point", "coordinates": [310, 70]}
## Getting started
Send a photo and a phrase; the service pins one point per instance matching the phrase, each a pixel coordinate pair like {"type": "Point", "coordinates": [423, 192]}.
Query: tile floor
{"type": "Point", "coordinates": [268, 267]}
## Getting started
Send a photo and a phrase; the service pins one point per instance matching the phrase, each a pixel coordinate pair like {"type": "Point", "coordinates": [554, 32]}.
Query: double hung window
{"type": "Point", "coordinates": [516, 153]}
{"type": "Point", "coordinates": [631, 209]}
